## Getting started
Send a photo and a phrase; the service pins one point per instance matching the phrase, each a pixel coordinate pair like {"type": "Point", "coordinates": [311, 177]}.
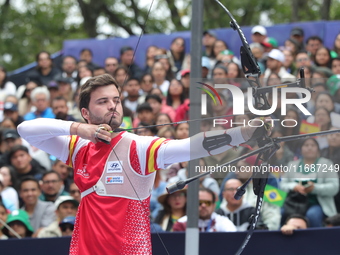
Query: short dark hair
{"type": "Point", "coordinates": [144, 107]}
{"type": "Point", "coordinates": [86, 49]}
{"type": "Point", "coordinates": [153, 96]}
{"type": "Point", "coordinates": [59, 98]}
{"type": "Point", "coordinates": [298, 216]}
{"type": "Point", "coordinates": [15, 149]}
{"type": "Point", "coordinates": [313, 38]}
{"type": "Point", "coordinates": [124, 49]}
{"type": "Point", "coordinates": [51, 172]}
{"type": "Point", "coordinates": [334, 220]}
{"type": "Point", "coordinates": [28, 178]}
{"type": "Point", "coordinates": [132, 79]}
{"type": "Point", "coordinates": [210, 192]}
{"type": "Point", "coordinates": [91, 85]}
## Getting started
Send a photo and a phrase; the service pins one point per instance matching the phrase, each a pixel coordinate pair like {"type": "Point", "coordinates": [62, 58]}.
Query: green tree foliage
{"type": "Point", "coordinates": [45, 24]}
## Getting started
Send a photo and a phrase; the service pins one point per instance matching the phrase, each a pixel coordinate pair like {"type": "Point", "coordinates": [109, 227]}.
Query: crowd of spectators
{"type": "Point", "coordinates": [40, 199]}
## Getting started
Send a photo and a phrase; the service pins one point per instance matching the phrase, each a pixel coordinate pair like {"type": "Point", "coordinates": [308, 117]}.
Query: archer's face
{"type": "Point", "coordinates": [104, 105]}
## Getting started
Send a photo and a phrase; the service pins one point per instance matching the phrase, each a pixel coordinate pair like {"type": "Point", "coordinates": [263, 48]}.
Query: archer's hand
{"type": "Point", "coordinates": [258, 129]}
{"type": "Point", "coordinates": [91, 132]}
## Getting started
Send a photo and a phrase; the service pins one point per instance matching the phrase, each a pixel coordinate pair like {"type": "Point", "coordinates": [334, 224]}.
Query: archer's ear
{"type": "Point", "coordinates": [85, 113]}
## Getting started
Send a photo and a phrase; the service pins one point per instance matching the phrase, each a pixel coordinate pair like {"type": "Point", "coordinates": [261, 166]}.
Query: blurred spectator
{"type": "Point", "coordinates": [319, 187]}
{"type": "Point", "coordinates": [126, 59]}
{"type": "Point", "coordinates": [336, 46]}
{"type": "Point", "coordinates": [175, 95]}
{"type": "Point", "coordinates": [174, 207]}
{"type": "Point", "coordinates": [65, 88]}
{"type": "Point", "coordinates": [53, 89]}
{"type": "Point", "coordinates": [45, 71]}
{"type": "Point", "coordinates": [166, 132]}
{"type": "Point", "coordinates": [40, 98]}
{"type": "Point", "coordinates": [60, 109]}
{"type": "Point", "coordinates": [147, 131]}
{"type": "Point", "coordinates": [66, 207]}
{"type": "Point", "coordinates": [121, 75]}
{"type": "Point", "coordinates": [258, 52]}
{"type": "Point", "coordinates": [158, 189]}
{"type": "Point", "coordinates": [23, 163]}
{"type": "Point", "coordinates": [176, 53]}
{"type": "Point", "coordinates": [157, 106]}
{"type": "Point", "coordinates": [111, 64]}
{"type": "Point", "coordinates": [75, 192]}
{"type": "Point", "coordinates": [208, 221]}
{"type": "Point", "coordinates": [132, 99]}
{"type": "Point", "coordinates": [185, 79]}
{"type": "Point", "coordinates": [335, 65]}
{"type": "Point", "coordinates": [19, 222]}
{"type": "Point", "coordinates": [144, 114]}
{"type": "Point", "coordinates": [158, 73]}
{"type": "Point", "coordinates": [275, 64]}
{"type": "Point", "coordinates": [9, 204]}
{"type": "Point", "coordinates": [293, 222]}
{"type": "Point", "coordinates": [258, 34]}
{"type": "Point", "coordinates": [321, 74]}
{"type": "Point", "coordinates": [182, 131]}
{"type": "Point", "coordinates": [298, 34]}
{"type": "Point", "coordinates": [25, 104]}
{"type": "Point", "coordinates": [273, 79]}
{"type": "Point", "coordinates": [238, 211]}
{"type": "Point", "coordinates": [52, 186]}
{"type": "Point", "coordinates": [323, 120]}
{"type": "Point", "coordinates": [149, 58]}
{"type": "Point", "coordinates": [333, 221]}
{"type": "Point", "coordinates": [164, 59]}
{"type": "Point", "coordinates": [9, 185]}
{"type": "Point", "coordinates": [11, 111]}
{"type": "Point", "coordinates": [87, 55]}
{"type": "Point", "coordinates": [220, 74]}
{"type": "Point", "coordinates": [98, 71]}
{"type": "Point", "coordinates": [218, 47]}
{"type": "Point", "coordinates": [6, 87]}
{"type": "Point", "coordinates": [162, 118]}
{"type": "Point", "coordinates": [69, 68]}
{"type": "Point", "coordinates": [292, 45]}
{"type": "Point", "coordinates": [67, 225]}
{"type": "Point", "coordinates": [7, 123]}
{"type": "Point", "coordinates": [302, 59]}
{"type": "Point", "coordinates": [323, 57]}
{"type": "Point", "coordinates": [65, 173]}
{"type": "Point", "coordinates": [147, 83]}
{"type": "Point", "coordinates": [205, 67]}
{"type": "Point", "coordinates": [3, 217]}
{"type": "Point", "coordinates": [313, 43]}
{"type": "Point", "coordinates": [41, 213]}
{"type": "Point", "coordinates": [289, 61]}
{"type": "Point", "coordinates": [208, 40]}
{"type": "Point", "coordinates": [84, 71]}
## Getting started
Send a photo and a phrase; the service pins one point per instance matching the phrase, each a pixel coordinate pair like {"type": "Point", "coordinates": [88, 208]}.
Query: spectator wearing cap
{"type": "Point", "coordinates": [313, 43]}
{"type": "Point", "coordinates": [53, 89]}
{"type": "Point", "coordinates": [66, 207]}
{"type": "Point", "coordinates": [208, 40]}
{"type": "Point", "coordinates": [40, 98]}
{"type": "Point", "coordinates": [23, 163]}
{"type": "Point", "coordinates": [144, 114]}
{"type": "Point", "coordinates": [60, 109]}
{"type": "Point", "coordinates": [258, 34]}
{"type": "Point", "coordinates": [110, 65]}
{"type": "Point", "coordinates": [18, 220]}
{"type": "Point", "coordinates": [126, 59]}
{"type": "Point", "coordinates": [10, 138]}
{"type": "Point", "coordinates": [41, 213]}
{"type": "Point", "coordinates": [11, 111]}
{"type": "Point", "coordinates": [67, 225]}
{"type": "Point", "coordinates": [298, 34]}
{"type": "Point", "coordinates": [65, 87]}
{"type": "Point", "coordinates": [275, 64]}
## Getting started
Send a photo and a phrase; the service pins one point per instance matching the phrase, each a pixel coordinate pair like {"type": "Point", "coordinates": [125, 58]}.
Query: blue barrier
{"type": "Point", "coordinates": [323, 241]}
{"type": "Point", "coordinates": [101, 49]}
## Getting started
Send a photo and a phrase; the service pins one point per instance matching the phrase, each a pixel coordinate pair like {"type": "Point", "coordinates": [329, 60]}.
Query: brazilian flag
{"type": "Point", "coordinates": [274, 196]}
{"type": "Point", "coordinates": [127, 123]}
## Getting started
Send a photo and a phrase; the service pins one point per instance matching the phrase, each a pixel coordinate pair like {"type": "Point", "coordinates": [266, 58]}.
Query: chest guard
{"type": "Point", "coordinates": [118, 173]}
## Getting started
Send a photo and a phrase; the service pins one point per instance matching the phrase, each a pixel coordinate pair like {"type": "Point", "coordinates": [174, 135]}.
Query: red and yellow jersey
{"type": "Point", "coordinates": [121, 225]}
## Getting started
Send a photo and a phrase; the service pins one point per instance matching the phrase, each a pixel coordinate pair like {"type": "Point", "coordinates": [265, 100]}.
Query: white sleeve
{"type": "Point", "coordinates": [49, 135]}
{"type": "Point", "coordinates": [192, 148]}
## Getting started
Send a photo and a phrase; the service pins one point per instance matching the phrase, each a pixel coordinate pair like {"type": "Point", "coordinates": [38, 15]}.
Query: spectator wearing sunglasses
{"type": "Point", "coordinates": [67, 208]}
{"type": "Point", "coordinates": [208, 221]}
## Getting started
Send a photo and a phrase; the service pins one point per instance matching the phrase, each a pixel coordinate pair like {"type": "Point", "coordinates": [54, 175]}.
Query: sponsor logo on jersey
{"type": "Point", "coordinates": [114, 167]}
{"type": "Point", "coordinates": [114, 180]}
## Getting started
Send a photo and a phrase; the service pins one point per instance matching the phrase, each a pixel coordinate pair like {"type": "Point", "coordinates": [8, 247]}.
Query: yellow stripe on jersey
{"type": "Point", "coordinates": [71, 149]}
{"type": "Point", "coordinates": [152, 161]}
